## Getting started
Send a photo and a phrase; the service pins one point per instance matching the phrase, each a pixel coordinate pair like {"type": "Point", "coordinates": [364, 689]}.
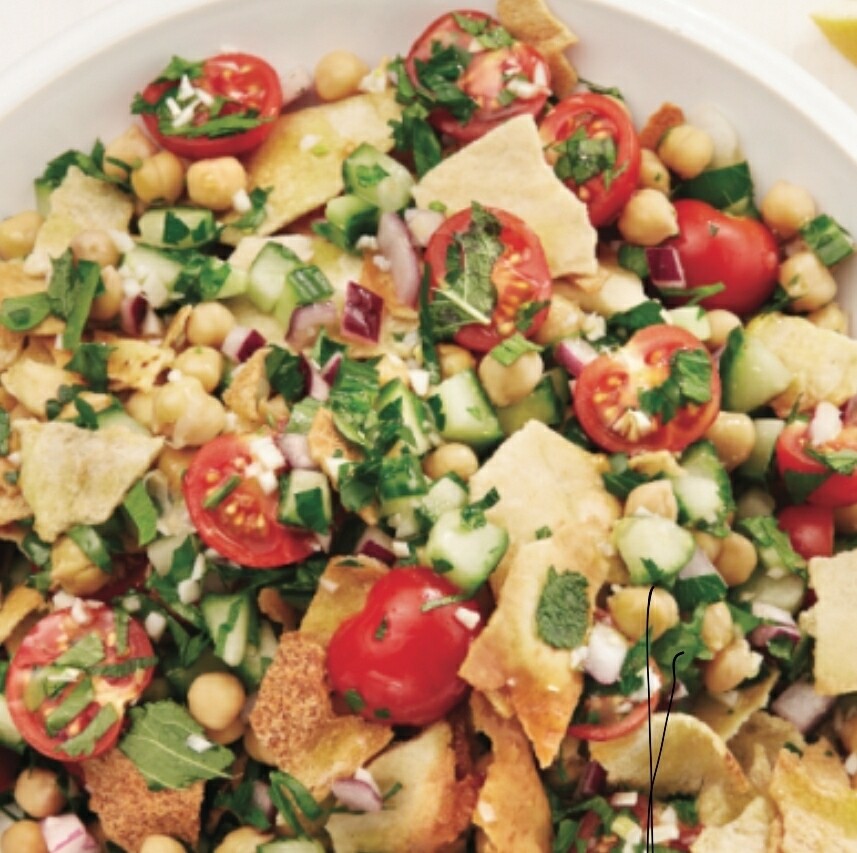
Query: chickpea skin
{"type": "Point", "coordinates": [807, 281]}
{"type": "Point", "coordinates": [209, 324]}
{"type": "Point", "coordinates": [656, 497]}
{"type": "Point", "coordinates": [831, 316]}
{"type": "Point", "coordinates": [202, 363]}
{"type": "Point", "coordinates": [628, 606]}
{"type": "Point", "coordinates": [722, 322]}
{"type": "Point", "coordinates": [106, 305]}
{"type": "Point", "coordinates": [686, 150]}
{"type": "Point", "coordinates": [96, 246]}
{"type": "Point", "coordinates": [130, 149]}
{"type": "Point", "coordinates": [215, 699]}
{"type": "Point", "coordinates": [736, 560]}
{"type": "Point", "coordinates": [338, 74]}
{"type": "Point", "coordinates": [454, 359]}
{"type": "Point", "coordinates": [648, 218]}
{"type": "Point", "coordinates": [653, 174]}
{"type": "Point", "coordinates": [213, 183]}
{"type": "Point", "coordinates": [161, 844]}
{"type": "Point", "coordinates": [38, 793]}
{"type": "Point", "coordinates": [452, 458]}
{"type": "Point", "coordinates": [508, 384]}
{"type": "Point", "coordinates": [160, 178]}
{"type": "Point", "coordinates": [733, 435]}
{"type": "Point", "coordinates": [731, 666]}
{"type": "Point", "coordinates": [23, 836]}
{"type": "Point", "coordinates": [786, 208]}
{"type": "Point", "coordinates": [18, 234]}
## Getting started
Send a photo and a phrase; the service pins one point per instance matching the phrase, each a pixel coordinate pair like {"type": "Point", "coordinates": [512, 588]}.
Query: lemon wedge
{"type": "Point", "coordinates": [840, 31]}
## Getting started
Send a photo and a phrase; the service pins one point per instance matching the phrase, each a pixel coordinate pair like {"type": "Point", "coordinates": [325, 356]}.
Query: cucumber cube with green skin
{"type": "Point", "coordinates": [447, 493]}
{"type": "Point", "coordinates": [230, 620]}
{"type": "Point", "coordinates": [352, 217]}
{"type": "Point", "coordinates": [177, 227]}
{"type": "Point", "coordinates": [464, 413]}
{"type": "Point", "coordinates": [377, 178]}
{"type": "Point", "coordinates": [786, 592]}
{"type": "Point", "coordinates": [758, 464]}
{"type": "Point", "coordinates": [655, 549]}
{"type": "Point", "coordinates": [703, 490]}
{"type": "Point", "coordinates": [751, 374]}
{"type": "Point", "coordinates": [412, 413]}
{"type": "Point", "coordinates": [541, 404]}
{"type": "Point", "coordinates": [306, 501]}
{"type": "Point", "coordinates": [268, 273]}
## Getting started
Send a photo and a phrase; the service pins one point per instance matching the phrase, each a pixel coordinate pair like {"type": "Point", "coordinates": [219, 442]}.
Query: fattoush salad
{"type": "Point", "coordinates": [389, 456]}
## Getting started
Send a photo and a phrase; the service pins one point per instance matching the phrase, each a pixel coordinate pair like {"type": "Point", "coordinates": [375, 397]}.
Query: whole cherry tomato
{"type": "Point", "coordinates": [810, 529]}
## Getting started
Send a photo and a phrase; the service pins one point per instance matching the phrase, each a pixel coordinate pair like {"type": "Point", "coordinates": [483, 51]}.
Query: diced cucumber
{"type": "Point", "coordinates": [377, 178]}
{"type": "Point", "coordinates": [464, 413]}
{"type": "Point", "coordinates": [751, 373]}
{"type": "Point", "coordinates": [786, 592]}
{"type": "Point", "coordinates": [413, 414]}
{"type": "Point", "coordinates": [258, 656]}
{"type": "Point", "coordinates": [465, 553]}
{"type": "Point", "coordinates": [291, 845]}
{"type": "Point", "coordinates": [236, 283]}
{"type": "Point", "coordinates": [306, 502]}
{"type": "Point", "coordinates": [43, 190]}
{"type": "Point", "coordinates": [402, 486]}
{"type": "Point", "coordinates": [177, 227]}
{"type": "Point", "coordinates": [653, 547]}
{"type": "Point", "coordinates": [691, 318]}
{"type": "Point", "coordinates": [9, 735]}
{"type": "Point", "coordinates": [229, 620]}
{"type": "Point", "coordinates": [703, 489]}
{"type": "Point", "coordinates": [117, 416]}
{"type": "Point", "coordinates": [542, 404]}
{"type": "Point", "coordinates": [267, 276]}
{"type": "Point", "coordinates": [758, 464]}
{"type": "Point", "coordinates": [445, 494]}
{"type": "Point", "coordinates": [351, 217]}
{"type": "Point", "coordinates": [156, 271]}
{"type": "Point", "coordinates": [559, 379]}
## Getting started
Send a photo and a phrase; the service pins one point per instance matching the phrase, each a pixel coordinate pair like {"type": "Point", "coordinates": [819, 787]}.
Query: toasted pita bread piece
{"type": "Point", "coordinates": [834, 580]}
{"type": "Point", "coordinates": [342, 591]}
{"type": "Point", "coordinates": [13, 507]}
{"type": "Point", "coordinates": [293, 718]}
{"type": "Point", "coordinates": [726, 719]}
{"type": "Point", "coordinates": [16, 607]}
{"type": "Point", "coordinates": [512, 811]}
{"type": "Point", "coordinates": [750, 832]}
{"type": "Point", "coordinates": [134, 365]}
{"type": "Point", "coordinates": [817, 805]}
{"type": "Point", "coordinates": [694, 761]}
{"type": "Point", "coordinates": [248, 388]}
{"type": "Point", "coordinates": [666, 116]}
{"type": "Point", "coordinates": [429, 812]}
{"type": "Point", "coordinates": [74, 476]}
{"type": "Point", "coordinates": [15, 282]}
{"type": "Point", "coordinates": [758, 743]}
{"type": "Point", "coordinates": [129, 811]}
{"type": "Point", "coordinates": [301, 160]}
{"type": "Point", "coordinates": [493, 169]}
{"type": "Point", "coordinates": [33, 383]}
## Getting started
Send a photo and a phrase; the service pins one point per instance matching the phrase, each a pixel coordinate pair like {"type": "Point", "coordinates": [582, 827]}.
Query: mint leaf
{"type": "Point", "coordinates": [562, 614]}
{"type": "Point", "coordinates": [285, 374]}
{"type": "Point", "coordinates": [90, 361]}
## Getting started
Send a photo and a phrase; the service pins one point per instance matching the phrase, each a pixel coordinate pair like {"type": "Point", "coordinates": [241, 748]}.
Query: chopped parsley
{"type": "Point", "coordinates": [689, 381]}
{"type": "Point", "coordinates": [581, 158]}
{"type": "Point", "coordinates": [511, 349]}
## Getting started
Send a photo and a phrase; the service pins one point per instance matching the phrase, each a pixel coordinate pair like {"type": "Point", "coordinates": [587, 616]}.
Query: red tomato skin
{"type": "Point", "coordinates": [520, 275]}
{"type": "Point", "coordinates": [401, 660]}
{"type": "Point", "coordinates": [48, 638]}
{"type": "Point", "coordinates": [272, 544]}
{"type": "Point", "coordinates": [810, 529]}
{"type": "Point", "coordinates": [838, 489]}
{"type": "Point", "coordinates": [219, 78]}
{"type": "Point", "coordinates": [610, 731]}
{"type": "Point", "coordinates": [604, 203]}
{"type": "Point", "coordinates": [482, 79]}
{"type": "Point", "coordinates": [656, 343]}
{"type": "Point", "coordinates": [737, 251]}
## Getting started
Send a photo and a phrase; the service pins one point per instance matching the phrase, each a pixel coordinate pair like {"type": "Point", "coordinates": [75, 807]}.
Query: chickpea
{"type": "Point", "coordinates": [140, 406]}
{"type": "Point", "coordinates": [257, 750]}
{"type": "Point", "coordinates": [213, 183]}
{"type": "Point", "coordinates": [686, 150]}
{"type": "Point", "coordinates": [656, 497]}
{"type": "Point", "coordinates": [171, 401]}
{"type": "Point", "coordinates": [733, 435]}
{"type": "Point", "coordinates": [106, 306]}
{"type": "Point", "coordinates": [565, 320]}
{"type": "Point", "coordinates": [628, 606]}
{"type": "Point", "coordinates": [18, 234]}
{"type": "Point", "coordinates": [96, 246]}
{"type": "Point", "coordinates": [708, 544]}
{"type": "Point", "coordinates": [72, 570]}
{"type": "Point", "coordinates": [215, 699]}
{"type": "Point", "coordinates": [209, 324]}
{"type": "Point", "coordinates": [131, 148]}
{"type": "Point", "coordinates": [754, 502]}
{"type": "Point", "coordinates": [173, 463]}
{"type": "Point", "coordinates": [506, 385]}
{"type": "Point", "coordinates": [807, 281]}
{"type": "Point", "coordinates": [160, 178]}
{"type": "Point", "coordinates": [731, 666]}
{"type": "Point", "coordinates": [452, 458]}
{"type": "Point", "coordinates": [205, 419]}
{"type": "Point", "coordinates": [338, 74]}
{"type": "Point", "coordinates": [23, 836]}
{"type": "Point", "coordinates": [161, 844]}
{"type": "Point", "coordinates": [38, 793]}
{"type": "Point", "coordinates": [786, 208]}
{"type": "Point", "coordinates": [722, 322]}
{"type": "Point", "coordinates": [831, 316]}
{"type": "Point", "coordinates": [454, 359]}
{"type": "Point", "coordinates": [737, 559]}
{"type": "Point", "coordinates": [244, 840]}
{"type": "Point", "coordinates": [653, 174]}
{"type": "Point", "coordinates": [717, 629]}
{"type": "Point", "coordinates": [202, 363]}
{"type": "Point", "coordinates": [230, 734]}
{"type": "Point", "coordinates": [648, 218]}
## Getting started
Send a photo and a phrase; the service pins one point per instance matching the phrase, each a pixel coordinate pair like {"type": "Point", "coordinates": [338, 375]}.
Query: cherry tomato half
{"type": "Point", "coordinates": [520, 277]}
{"type": "Point", "coordinates": [614, 723]}
{"type": "Point", "coordinates": [248, 89]}
{"type": "Point", "coordinates": [58, 701]}
{"type": "Point", "coordinates": [735, 251]}
{"type": "Point", "coordinates": [833, 489]}
{"type": "Point", "coordinates": [398, 659]}
{"type": "Point", "coordinates": [607, 394]}
{"type": "Point", "coordinates": [810, 529]}
{"type": "Point", "coordinates": [243, 526]}
{"type": "Point", "coordinates": [504, 81]}
{"type": "Point", "coordinates": [593, 147]}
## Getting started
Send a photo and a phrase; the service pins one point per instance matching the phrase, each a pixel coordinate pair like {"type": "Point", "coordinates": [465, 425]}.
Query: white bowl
{"type": "Point", "coordinates": [790, 125]}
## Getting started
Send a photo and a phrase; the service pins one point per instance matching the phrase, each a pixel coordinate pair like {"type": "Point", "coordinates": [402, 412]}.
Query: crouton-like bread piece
{"type": "Point", "coordinates": [13, 507]}
{"type": "Point", "coordinates": [293, 717]}
{"type": "Point", "coordinates": [15, 282]}
{"type": "Point", "coordinates": [129, 811]}
{"type": "Point", "coordinates": [16, 607]}
{"type": "Point", "coordinates": [34, 382]}
{"type": "Point", "coordinates": [665, 117]}
{"type": "Point", "coordinates": [248, 388]}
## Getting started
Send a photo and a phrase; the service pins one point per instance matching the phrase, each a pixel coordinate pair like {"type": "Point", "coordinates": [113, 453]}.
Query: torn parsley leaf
{"type": "Point", "coordinates": [157, 743]}
{"type": "Point", "coordinates": [22, 313]}
{"type": "Point", "coordinates": [839, 461]}
{"type": "Point", "coordinates": [90, 361]}
{"type": "Point", "coordinates": [485, 31]}
{"type": "Point", "coordinates": [562, 614]}
{"type": "Point", "coordinates": [582, 158]}
{"type": "Point", "coordinates": [142, 512]}
{"type": "Point", "coordinates": [511, 349]}
{"type": "Point", "coordinates": [285, 373]}
{"type": "Point", "coordinates": [689, 381]}
{"type": "Point", "coordinates": [773, 545]}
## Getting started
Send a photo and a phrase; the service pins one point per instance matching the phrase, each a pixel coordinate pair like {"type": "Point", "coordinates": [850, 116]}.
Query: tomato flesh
{"type": "Point", "coordinates": [520, 276]}
{"type": "Point", "coordinates": [250, 86]}
{"type": "Point", "coordinates": [810, 529]}
{"type": "Point", "coordinates": [612, 723]}
{"type": "Point", "coordinates": [243, 527]}
{"type": "Point", "coordinates": [606, 395]}
{"type": "Point", "coordinates": [31, 707]}
{"type": "Point", "coordinates": [397, 660]}
{"type": "Point", "coordinates": [591, 119]}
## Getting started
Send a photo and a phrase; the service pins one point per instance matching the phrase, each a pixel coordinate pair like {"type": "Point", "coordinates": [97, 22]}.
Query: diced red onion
{"type": "Point", "coordinates": [665, 269]}
{"type": "Point", "coordinates": [132, 314]}
{"type": "Point", "coordinates": [324, 541]}
{"type": "Point", "coordinates": [762, 610]}
{"type": "Point", "coordinates": [698, 566]}
{"type": "Point", "coordinates": [361, 316]}
{"type": "Point", "coordinates": [357, 794]}
{"type": "Point", "coordinates": [802, 706]}
{"type": "Point", "coordinates": [262, 799]}
{"type": "Point", "coordinates": [295, 447]}
{"type": "Point", "coordinates": [66, 834]}
{"type": "Point", "coordinates": [592, 779]}
{"type": "Point", "coordinates": [376, 544]}
{"type": "Point", "coordinates": [850, 414]}
{"type": "Point", "coordinates": [761, 636]}
{"type": "Point", "coordinates": [317, 387]}
{"type": "Point", "coordinates": [574, 354]}
{"type": "Point", "coordinates": [294, 83]}
{"type": "Point", "coordinates": [825, 425]}
{"type": "Point", "coordinates": [152, 325]}
{"type": "Point", "coordinates": [394, 241]}
{"type": "Point", "coordinates": [606, 653]}
{"type": "Point", "coordinates": [330, 369]}
{"type": "Point", "coordinates": [241, 343]}
{"type": "Point", "coordinates": [307, 321]}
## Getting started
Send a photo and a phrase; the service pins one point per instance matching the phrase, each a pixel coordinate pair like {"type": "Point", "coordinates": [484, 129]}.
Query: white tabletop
{"type": "Point", "coordinates": [784, 24]}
